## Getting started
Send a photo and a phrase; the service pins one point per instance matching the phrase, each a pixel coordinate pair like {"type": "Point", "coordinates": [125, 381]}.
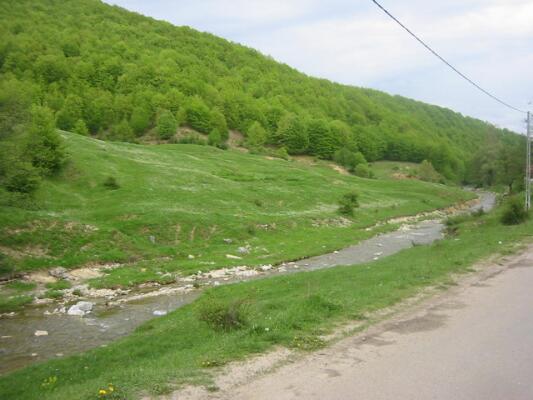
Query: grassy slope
{"type": "Point", "coordinates": [286, 310]}
{"type": "Point", "coordinates": [188, 199]}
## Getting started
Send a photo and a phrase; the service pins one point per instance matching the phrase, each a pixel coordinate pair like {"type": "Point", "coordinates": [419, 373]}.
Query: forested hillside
{"type": "Point", "coordinates": [117, 75]}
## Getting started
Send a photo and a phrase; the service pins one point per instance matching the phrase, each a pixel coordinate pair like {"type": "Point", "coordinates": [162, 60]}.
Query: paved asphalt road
{"type": "Point", "coordinates": [474, 344]}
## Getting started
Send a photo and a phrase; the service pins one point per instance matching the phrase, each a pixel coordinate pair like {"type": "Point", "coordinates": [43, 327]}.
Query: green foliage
{"type": "Point", "coordinates": [80, 128]}
{"type": "Point", "coordinates": [218, 122]}
{"type": "Point", "coordinates": [363, 170]}
{"type": "Point", "coordinates": [514, 212]}
{"type": "Point", "coordinates": [348, 203]}
{"type": "Point", "coordinates": [427, 173]}
{"type": "Point", "coordinates": [292, 135]}
{"type": "Point", "coordinates": [223, 316]}
{"type": "Point", "coordinates": [166, 125]}
{"type": "Point", "coordinates": [281, 153]}
{"type": "Point", "coordinates": [140, 120]}
{"type": "Point", "coordinates": [256, 136]}
{"type": "Point", "coordinates": [44, 148]}
{"type": "Point", "coordinates": [198, 115]}
{"type": "Point", "coordinates": [22, 178]}
{"type": "Point", "coordinates": [349, 159]}
{"type": "Point", "coordinates": [14, 303]}
{"type": "Point", "coordinates": [214, 138]}
{"type": "Point", "coordinates": [121, 132]}
{"type": "Point", "coordinates": [209, 83]}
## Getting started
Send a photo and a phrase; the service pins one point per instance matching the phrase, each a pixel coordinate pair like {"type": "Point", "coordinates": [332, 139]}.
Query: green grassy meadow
{"type": "Point", "coordinates": [292, 311]}
{"type": "Point", "coordinates": [175, 205]}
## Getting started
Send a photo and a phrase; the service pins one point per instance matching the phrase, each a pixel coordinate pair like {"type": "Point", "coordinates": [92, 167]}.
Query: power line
{"type": "Point", "coordinates": [446, 62]}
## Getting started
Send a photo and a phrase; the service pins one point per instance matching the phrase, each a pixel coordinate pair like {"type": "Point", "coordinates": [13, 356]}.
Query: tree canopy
{"type": "Point", "coordinates": [105, 71]}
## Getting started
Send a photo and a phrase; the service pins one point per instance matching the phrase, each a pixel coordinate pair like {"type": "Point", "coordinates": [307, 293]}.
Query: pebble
{"type": "Point", "coordinates": [41, 333]}
{"type": "Point", "coordinates": [34, 354]}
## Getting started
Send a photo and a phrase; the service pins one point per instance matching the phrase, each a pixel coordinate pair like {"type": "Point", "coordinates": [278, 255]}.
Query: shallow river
{"type": "Point", "coordinates": [67, 334]}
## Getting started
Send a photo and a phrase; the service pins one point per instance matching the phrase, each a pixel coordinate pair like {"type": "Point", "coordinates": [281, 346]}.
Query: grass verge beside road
{"type": "Point", "coordinates": [291, 311]}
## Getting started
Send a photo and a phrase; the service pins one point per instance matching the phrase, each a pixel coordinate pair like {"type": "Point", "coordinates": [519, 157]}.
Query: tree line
{"type": "Point", "coordinates": [100, 70]}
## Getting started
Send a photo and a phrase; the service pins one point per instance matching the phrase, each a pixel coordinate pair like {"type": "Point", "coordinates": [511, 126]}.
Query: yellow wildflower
{"type": "Point", "coordinates": [102, 392]}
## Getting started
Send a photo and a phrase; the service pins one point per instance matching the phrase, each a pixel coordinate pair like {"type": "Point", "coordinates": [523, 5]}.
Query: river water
{"type": "Point", "coordinates": [68, 334]}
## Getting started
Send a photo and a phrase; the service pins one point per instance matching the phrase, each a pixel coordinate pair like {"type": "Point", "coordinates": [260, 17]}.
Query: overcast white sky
{"type": "Point", "coordinates": [353, 42]}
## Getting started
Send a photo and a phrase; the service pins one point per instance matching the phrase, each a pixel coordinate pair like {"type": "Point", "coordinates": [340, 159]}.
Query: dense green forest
{"type": "Point", "coordinates": [100, 70]}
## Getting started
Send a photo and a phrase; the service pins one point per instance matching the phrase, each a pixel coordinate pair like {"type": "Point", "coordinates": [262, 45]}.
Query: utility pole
{"type": "Point", "coordinates": [528, 163]}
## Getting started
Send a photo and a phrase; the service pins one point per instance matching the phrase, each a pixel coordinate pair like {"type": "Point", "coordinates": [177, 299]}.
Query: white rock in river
{"type": "Point", "coordinates": [41, 333]}
{"type": "Point", "coordinates": [80, 308]}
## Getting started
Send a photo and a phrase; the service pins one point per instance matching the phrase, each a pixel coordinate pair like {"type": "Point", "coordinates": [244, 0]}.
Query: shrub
{"type": "Point", "coordinates": [111, 183]}
{"type": "Point", "coordinates": [198, 115]}
{"type": "Point", "coordinates": [121, 132]}
{"type": "Point", "coordinates": [166, 125]}
{"type": "Point", "coordinates": [363, 171]}
{"type": "Point", "coordinates": [140, 119]}
{"type": "Point", "coordinates": [80, 128]}
{"type": "Point", "coordinates": [281, 153]}
{"type": "Point", "coordinates": [514, 213]}
{"type": "Point", "coordinates": [348, 203]}
{"type": "Point", "coordinates": [256, 136]}
{"type": "Point", "coordinates": [45, 147]}
{"type": "Point", "coordinates": [23, 178]}
{"type": "Point", "coordinates": [214, 138]}
{"type": "Point", "coordinates": [426, 172]}
{"type": "Point", "coordinates": [192, 138]}
{"type": "Point", "coordinates": [349, 159]}
{"type": "Point", "coordinates": [223, 316]}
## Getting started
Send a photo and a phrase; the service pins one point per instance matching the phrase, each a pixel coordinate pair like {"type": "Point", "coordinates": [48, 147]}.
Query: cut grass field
{"type": "Point", "coordinates": [293, 311]}
{"type": "Point", "coordinates": [173, 206]}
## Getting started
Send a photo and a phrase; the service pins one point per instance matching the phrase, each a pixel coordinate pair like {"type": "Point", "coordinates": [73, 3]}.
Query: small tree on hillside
{"type": "Point", "coordinates": [80, 128]}
{"type": "Point", "coordinates": [348, 203]}
{"type": "Point", "coordinates": [218, 122]}
{"type": "Point", "coordinates": [140, 119]}
{"type": "Point", "coordinates": [427, 173]}
{"type": "Point", "coordinates": [45, 147]}
{"type": "Point", "coordinates": [166, 125]}
{"type": "Point", "coordinates": [198, 115]}
{"type": "Point", "coordinates": [292, 134]}
{"type": "Point", "coordinates": [256, 136]}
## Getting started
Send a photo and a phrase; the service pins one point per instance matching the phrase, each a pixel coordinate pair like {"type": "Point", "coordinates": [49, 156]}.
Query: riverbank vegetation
{"type": "Point", "coordinates": [232, 322]}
